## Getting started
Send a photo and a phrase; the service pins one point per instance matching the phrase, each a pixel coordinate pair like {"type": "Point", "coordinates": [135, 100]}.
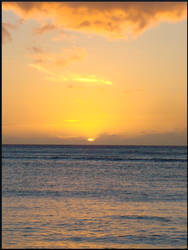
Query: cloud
{"type": "Point", "coordinates": [168, 138]}
{"type": "Point", "coordinates": [53, 60]}
{"type": "Point", "coordinates": [44, 28]}
{"type": "Point", "coordinates": [48, 63]}
{"type": "Point", "coordinates": [6, 36]}
{"type": "Point", "coordinates": [176, 137]}
{"type": "Point", "coordinates": [112, 19]}
{"type": "Point", "coordinates": [6, 27]}
{"type": "Point", "coordinates": [47, 27]}
{"type": "Point", "coordinates": [42, 69]}
{"type": "Point", "coordinates": [92, 80]}
{"type": "Point", "coordinates": [36, 138]}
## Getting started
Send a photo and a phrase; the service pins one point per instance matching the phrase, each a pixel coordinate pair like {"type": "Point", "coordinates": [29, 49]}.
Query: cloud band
{"type": "Point", "coordinates": [111, 19]}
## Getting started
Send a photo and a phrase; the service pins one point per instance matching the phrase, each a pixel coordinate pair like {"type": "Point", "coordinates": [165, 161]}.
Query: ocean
{"type": "Point", "coordinates": [56, 196]}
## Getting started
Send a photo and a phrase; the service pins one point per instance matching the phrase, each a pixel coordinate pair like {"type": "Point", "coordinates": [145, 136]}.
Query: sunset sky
{"type": "Point", "coordinates": [114, 72]}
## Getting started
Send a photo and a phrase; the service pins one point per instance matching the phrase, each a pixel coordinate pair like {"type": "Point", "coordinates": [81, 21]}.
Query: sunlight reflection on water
{"type": "Point", "coordinates": [78, 222]}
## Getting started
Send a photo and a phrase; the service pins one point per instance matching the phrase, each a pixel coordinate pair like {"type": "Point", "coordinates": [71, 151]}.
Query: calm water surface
{"type": "Point", "coordinates": [94, 196]}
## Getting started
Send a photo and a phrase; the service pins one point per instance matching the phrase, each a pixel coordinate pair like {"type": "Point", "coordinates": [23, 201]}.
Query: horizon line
{"type": "Point", "coordinates": [42, 144]}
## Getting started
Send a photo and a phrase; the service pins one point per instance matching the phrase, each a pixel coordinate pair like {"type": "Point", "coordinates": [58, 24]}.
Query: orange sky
{"type": "Point", "coordinates": [111, 71]}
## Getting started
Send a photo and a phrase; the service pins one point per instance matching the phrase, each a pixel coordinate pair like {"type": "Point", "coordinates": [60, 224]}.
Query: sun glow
{"type": "Point", "coordinates": [91, 139]}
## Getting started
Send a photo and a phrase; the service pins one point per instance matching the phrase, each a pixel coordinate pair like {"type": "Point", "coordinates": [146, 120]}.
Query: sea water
{"type": "Point", "coordinates": [94, 196]}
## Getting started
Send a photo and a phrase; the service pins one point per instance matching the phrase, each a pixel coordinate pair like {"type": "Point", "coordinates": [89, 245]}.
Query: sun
{"type": "Point", "coordinates": [91, 139]}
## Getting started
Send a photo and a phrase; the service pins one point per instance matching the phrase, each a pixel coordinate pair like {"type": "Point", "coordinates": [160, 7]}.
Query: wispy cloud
{"type": "Point", "coordinates": [50, 63]}
{"type": "Point", "coordinates": [6, 28]}
{"type": "Point", "coordinates": [112, 19]}
{"type": "Point", "coordinates": [60, 59]}
{"type": "Point", "coordinates": [6, 36]}
{"type": "Point", "coordinates": [92, 80]}
{"type": "Point", "coordinates": [42, 69]}
{"type": "Point", "coordinates": [44, 28]}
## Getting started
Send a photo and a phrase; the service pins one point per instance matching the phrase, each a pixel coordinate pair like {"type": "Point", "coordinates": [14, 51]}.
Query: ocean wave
{"type": "Point", "coordinates": [94, 158]}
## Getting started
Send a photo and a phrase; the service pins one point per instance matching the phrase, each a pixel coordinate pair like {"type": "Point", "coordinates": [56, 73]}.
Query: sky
{"type": "Point", "coordinates": [114, 72]}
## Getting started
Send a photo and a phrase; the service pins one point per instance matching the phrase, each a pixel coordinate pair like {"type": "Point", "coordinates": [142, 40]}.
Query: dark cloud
{"type": "Point", "coordinates": [169, 138]}
{"type": "Point", "coordinates": [155, 138]}
{"type": "Point", "coordinates": [115, 19]}
{"type": "Point", "coordinates": [42, 139]}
